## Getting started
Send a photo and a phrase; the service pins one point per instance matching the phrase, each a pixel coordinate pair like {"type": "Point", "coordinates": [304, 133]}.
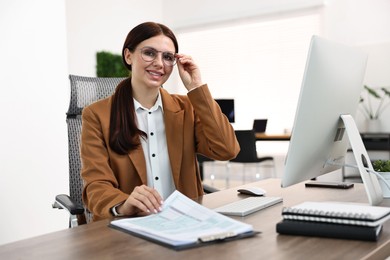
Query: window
{"type": "Point", "coordinates": [259, 64]}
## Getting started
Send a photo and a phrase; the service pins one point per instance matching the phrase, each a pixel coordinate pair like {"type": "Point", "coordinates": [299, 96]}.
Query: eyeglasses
{"type": "Point", "coordinates": [149, 54]}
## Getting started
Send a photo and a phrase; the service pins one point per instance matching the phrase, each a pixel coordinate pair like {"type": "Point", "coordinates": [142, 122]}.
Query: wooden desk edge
{"type": "Point", "coordinates": [272, 137]}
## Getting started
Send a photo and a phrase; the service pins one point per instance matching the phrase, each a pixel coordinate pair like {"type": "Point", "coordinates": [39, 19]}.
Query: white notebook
{"type": "Point", "coordinates": [338, 212]}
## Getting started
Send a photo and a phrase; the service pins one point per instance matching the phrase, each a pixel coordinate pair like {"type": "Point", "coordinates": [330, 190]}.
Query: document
{"type": "Point", "coordinates": [183, 223]}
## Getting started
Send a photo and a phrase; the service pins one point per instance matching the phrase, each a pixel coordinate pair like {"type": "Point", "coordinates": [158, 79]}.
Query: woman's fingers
{"type": "Point", "coordinates": [146, 199]}
{"type": "Point", "coordinates": [188, 71]}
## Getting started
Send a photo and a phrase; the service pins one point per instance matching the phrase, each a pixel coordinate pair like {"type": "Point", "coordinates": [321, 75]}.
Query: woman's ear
{"type": "Point", "coordinates": [128, 56]}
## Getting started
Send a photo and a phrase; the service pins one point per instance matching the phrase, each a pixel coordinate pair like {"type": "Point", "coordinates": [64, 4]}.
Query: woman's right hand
{"type": "Point", "coordinates": [142, 199]}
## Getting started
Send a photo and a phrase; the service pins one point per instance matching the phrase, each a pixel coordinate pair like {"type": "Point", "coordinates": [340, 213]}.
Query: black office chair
{"type": "Point", "coordinates": [248, 153]}
{"type": "Point", "coordinates": [84, 91]}
{"type": "Point", "coordinates": [201, 160]}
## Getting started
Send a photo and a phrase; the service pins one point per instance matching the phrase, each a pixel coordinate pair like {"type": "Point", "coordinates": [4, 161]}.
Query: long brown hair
{"type": "Point", "coordinates": [124, 133]}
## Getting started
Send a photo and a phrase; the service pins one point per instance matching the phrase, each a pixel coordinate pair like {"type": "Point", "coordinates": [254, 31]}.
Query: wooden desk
{"type": "Point", "coordinates": [272, 137]}
{"type": "Point", "coordinates": [97, 241]}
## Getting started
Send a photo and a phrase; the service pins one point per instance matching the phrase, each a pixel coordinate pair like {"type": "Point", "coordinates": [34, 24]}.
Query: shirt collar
{"type": "Point", "coordinates": [156, 105]}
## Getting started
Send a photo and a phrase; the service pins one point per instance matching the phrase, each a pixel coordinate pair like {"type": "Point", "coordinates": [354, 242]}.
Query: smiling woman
{"type": "Point", "coordinates": [140, 144]}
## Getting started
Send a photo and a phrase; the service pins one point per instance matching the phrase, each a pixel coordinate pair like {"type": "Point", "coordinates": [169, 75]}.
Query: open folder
{"type": "Point", "coordinates": [183, 224]}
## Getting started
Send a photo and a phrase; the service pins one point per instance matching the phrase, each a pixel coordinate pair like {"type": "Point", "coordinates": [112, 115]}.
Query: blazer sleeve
{"type": "Point", "coordinates": [215, 137]}
{"type": "Point", "coordinates": [100, 191]}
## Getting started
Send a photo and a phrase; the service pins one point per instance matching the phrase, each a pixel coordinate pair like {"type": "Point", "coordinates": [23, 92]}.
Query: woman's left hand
{"type": "Point", "coordinates": [189, 72]}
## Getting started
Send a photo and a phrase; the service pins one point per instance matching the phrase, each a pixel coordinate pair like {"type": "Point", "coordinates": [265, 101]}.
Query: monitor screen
{"type": "Point", "coordinates": [227, 107]}
{"type": "Point", "coordinates": [331, 87]}
{"type": "Point", "coordinates": [260, 125]}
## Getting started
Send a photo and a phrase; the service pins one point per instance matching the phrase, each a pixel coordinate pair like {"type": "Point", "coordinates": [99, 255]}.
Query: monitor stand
{"type": "Point", "coordinates": [370, 181]}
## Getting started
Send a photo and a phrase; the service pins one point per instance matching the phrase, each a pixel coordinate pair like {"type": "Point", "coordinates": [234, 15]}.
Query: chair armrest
{"type": "Point", "coordinates": [63, 201]}
{"type": "Point", "coordinates": [209, 189]}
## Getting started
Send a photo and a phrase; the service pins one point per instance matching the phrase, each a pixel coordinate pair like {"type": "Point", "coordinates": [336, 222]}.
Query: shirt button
{"type": "Point", "coordinates": [151, 133]}
{"type": "Point", "coordinates": [150, 113]}
{"type": "Point", "coordinates": [153, 155]}
{"type": "Point", "coordinates": [156, 178]}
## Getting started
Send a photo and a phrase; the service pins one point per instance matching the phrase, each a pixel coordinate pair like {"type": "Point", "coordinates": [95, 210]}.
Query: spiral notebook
{"type": "Point", "coordinates": [338, 213]}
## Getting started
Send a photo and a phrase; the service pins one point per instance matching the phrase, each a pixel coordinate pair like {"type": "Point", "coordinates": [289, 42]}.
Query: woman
{"type": "Point", "coordinates": [140, 144]}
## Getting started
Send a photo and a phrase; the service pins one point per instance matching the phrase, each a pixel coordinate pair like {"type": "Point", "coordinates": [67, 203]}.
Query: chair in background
{"type": "Point", "coordinates": [201, 160]}
{"type": "Point", "coordinates": [84, 91]}
{"type": "Point", "coordinates": [248, 154]}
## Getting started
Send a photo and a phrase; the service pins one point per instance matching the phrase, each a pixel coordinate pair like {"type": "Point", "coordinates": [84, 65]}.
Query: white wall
{"type": "Point", "coordinates": [33, 51]}
{"type": "Point", "coordinates": [36, 59]}
{"type": "Point", "coordinates": [102, 25]}
{"type": "Point", "coordinates": [364, 23]}
{"type": "Point", "coordinates": [180, 14]}
{"type": "Point", "coordinates": [357, 21]}
{"type": "Point", "coordinates": [34, 98]}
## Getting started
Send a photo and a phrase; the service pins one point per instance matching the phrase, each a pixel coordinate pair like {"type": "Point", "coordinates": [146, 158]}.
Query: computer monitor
{"type": "Point", "coordinates": [227, 107]}
{"type": "Point", "coordinates": [260, 125]}
{"type": "Point", "coordinates": [331, 87]}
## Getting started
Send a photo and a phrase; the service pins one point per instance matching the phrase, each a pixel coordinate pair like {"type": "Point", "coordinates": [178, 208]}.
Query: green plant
{"type": "Point", "coordinates": [370, 110]}
{"type": "Point", "coordinates": [110, 65]}
{"type": "Point", "coordinates": [381, 165]}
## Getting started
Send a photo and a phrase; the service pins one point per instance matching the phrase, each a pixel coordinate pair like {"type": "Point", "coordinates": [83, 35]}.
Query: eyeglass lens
{"type": "Point", "coordinates": [150, 54]}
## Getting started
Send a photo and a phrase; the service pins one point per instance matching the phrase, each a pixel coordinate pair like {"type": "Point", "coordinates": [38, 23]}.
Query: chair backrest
{"type": "Point", "coordinates": [247, 141]}
{"type": "Point", "coordinates": [84, 91]}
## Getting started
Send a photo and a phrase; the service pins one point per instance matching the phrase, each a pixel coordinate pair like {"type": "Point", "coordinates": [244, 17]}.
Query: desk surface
{"type": "Point", "coordinates": [97, 241]}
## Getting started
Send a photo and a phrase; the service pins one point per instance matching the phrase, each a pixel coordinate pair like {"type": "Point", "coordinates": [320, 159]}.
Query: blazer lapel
{"type": "Point", "coordinates": [138, 159]}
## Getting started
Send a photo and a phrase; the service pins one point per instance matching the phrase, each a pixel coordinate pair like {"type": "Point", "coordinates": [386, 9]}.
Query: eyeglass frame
{"type": "Point", "coordinates": [162, 56]}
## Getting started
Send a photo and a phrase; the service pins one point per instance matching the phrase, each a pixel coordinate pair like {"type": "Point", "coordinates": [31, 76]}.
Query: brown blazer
{"type": "Point", "coordinates": [194, 124]}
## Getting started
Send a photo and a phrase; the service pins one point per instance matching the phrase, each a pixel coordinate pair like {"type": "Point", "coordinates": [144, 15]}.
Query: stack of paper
{"type": "Point", "coordinates": [183, 223]}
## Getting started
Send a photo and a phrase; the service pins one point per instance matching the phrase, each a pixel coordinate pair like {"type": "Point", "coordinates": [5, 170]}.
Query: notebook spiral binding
{"type": "Point", "coordinates": [330, 214]}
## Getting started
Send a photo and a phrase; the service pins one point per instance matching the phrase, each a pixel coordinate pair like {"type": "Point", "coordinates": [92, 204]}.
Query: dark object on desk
{"type": "Point", "coordinates": [306, 228]}
{"type": "Point", "coordinates": [334, 185]}
{"type": "Point", "coordinates": [260, 125]}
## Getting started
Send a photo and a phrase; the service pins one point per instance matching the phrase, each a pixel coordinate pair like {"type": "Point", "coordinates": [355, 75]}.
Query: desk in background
{"type": "Point", "coordinates": [378, 148]}
{"type": "Point", "coordinates": [376, 141]}
{"type": "Point", "coordinates": [97, 241]}
{"type": "Point", "coordinates": [272, 137]}
{"type": "Point", "coordinates": [372, 141]}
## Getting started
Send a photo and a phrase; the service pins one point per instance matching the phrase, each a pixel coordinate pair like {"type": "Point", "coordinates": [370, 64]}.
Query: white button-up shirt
{"type": "Point", "coordinates": [158, 167]}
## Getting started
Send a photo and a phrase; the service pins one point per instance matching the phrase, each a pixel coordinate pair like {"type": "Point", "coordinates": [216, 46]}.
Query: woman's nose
{"type": "Point", "coordinates": [158, 60]}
